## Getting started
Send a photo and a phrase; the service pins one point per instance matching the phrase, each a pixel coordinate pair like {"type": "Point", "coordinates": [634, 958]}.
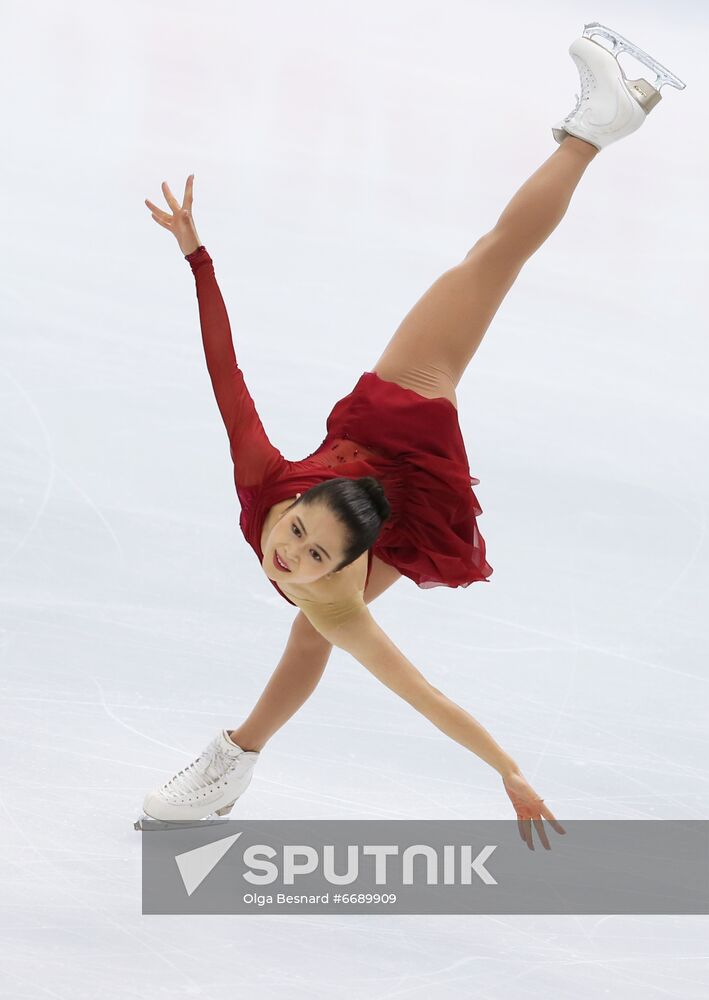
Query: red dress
{"type": "Point", "coordinates": [411, 444]}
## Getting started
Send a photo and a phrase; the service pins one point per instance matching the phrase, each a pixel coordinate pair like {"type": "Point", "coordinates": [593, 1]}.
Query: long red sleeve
{"type": "Point", "coordinates": [253, 455]}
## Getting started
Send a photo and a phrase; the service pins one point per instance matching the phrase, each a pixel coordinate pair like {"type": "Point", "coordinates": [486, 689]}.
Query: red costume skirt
{"type": "Point", "coordinates": [414, 447]}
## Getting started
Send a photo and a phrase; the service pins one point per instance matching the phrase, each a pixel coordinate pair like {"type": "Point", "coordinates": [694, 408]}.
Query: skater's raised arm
{"type": "Point", "coordinates": [253, 455]}
{"type": "Point", "coordinates": [361, 636]}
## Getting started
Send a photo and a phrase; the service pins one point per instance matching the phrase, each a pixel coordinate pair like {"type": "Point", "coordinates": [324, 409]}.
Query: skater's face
{"type": "Point", "coordinates": [311, 542]}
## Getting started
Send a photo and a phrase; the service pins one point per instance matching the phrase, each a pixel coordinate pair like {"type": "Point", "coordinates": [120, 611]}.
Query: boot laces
{"type": "Point", "coordinates": [579, 98]}
{"type": "Point", "coordinates": [205, 771]}
{"type": "Point", "coordinates": [585, 80]}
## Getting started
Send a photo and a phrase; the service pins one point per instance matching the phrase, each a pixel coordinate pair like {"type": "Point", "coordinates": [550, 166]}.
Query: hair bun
{"type": "Point", "coordinates": [374, 490]}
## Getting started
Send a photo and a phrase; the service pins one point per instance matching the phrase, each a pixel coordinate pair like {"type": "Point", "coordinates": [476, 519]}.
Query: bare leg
{"type": "Point", "coordinates": [291, 684]}
{"type": "Point", "coordinates": [432, 347]}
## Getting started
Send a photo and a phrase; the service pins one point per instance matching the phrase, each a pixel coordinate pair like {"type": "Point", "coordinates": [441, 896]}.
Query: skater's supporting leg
{"type": "Point", "coordinates": [438, 337]}
{"type": "Point", "coordinates": [291, 684]}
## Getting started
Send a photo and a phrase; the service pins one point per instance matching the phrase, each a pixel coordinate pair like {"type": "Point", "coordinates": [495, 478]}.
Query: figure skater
{"type": "Point", "coordinates": [388, 492]}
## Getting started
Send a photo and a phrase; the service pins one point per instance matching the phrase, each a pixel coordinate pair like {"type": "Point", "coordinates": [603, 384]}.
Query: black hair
{"type": "Point", "coordinates": [360, 504]}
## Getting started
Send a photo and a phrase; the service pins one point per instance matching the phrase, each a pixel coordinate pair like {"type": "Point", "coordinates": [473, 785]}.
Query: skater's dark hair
{"type": "Point", "coordinates": [359, 504]}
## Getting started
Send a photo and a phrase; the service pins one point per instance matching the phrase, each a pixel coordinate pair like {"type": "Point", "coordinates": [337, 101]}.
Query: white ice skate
{"type": "Point", "coordinates": [210, 785]}
{"type": "Point", "coordinates": [610, 105]}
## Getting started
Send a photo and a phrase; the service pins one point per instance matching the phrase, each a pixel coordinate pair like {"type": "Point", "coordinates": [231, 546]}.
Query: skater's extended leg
{"type": "Point", "coordinates": [432, 347]}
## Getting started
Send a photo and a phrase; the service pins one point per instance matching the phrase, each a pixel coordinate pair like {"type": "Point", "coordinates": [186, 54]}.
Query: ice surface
{"type": "Point", "coordinates": [344, 156]}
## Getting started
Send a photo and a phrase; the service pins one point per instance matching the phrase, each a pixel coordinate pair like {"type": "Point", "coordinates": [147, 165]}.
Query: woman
{"type": "Point", "coordinates": [388, 492]}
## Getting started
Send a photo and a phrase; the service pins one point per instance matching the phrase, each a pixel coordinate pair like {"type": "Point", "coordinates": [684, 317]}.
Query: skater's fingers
{"type": "Point", "coordinates": [187, 200]}
{"type": "Point", "coordinates": [157, 211]}
{"type": "Point", "coordinates": [551, 818]}
{"type": "Point", "coordinates": [527, 828]}
{"type": "Point", "coordinates": [165, 225]}
{"type": "Point", "coordinates": [541, 833]}
{"type": "Point", "coordinates": [169, 197]}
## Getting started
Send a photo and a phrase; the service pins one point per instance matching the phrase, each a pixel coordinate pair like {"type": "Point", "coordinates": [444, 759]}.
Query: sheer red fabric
{"type": "Point", "coordinates": [411, 444]}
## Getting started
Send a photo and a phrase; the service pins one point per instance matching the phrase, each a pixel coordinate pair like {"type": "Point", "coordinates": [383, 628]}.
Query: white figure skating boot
{"type": "Point", "coordinates": [610, 105]}
{"type": "Point", "coordinates": [211, 784]}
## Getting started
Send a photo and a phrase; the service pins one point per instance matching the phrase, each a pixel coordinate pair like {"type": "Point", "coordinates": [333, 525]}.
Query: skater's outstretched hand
{"type": "Point", "coordinates": [180, 223]}
{"type": "Point", "coordinates": [528, 807]}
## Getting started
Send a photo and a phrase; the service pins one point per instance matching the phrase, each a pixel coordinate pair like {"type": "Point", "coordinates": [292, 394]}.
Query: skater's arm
{"type": "Point", "coordinates": [254, 457]}
{"type": "Point", "coordinates": [360, 635]}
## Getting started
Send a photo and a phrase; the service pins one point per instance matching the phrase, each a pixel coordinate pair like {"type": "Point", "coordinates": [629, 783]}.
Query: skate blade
{"type": "Point", "coordinates": [622, 44]}
{"type": "Point", "coordinates": [146, 824]}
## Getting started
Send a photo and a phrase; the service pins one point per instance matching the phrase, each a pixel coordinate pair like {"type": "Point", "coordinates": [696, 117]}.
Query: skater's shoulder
{"type": "Point", "coordinates": [330, 604]}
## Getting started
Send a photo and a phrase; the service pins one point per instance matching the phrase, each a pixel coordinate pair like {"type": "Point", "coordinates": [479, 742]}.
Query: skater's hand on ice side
{"type": "Point", "coordinates": [528, 807]}
{"type": "Point", "coordinates": [180, 223]}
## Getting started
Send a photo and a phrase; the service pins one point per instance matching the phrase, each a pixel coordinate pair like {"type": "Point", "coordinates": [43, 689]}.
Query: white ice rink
{"type": "Point", "coordinates": [345, 155]}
